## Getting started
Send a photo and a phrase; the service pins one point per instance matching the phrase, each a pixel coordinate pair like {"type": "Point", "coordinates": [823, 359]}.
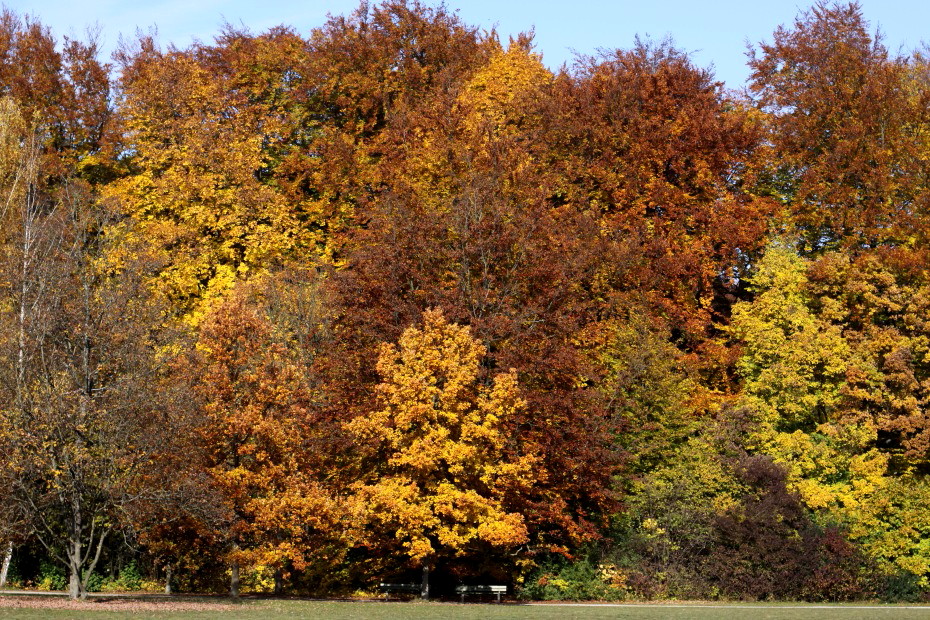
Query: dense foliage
{"type": "Point", "coordinates": [392, 301]}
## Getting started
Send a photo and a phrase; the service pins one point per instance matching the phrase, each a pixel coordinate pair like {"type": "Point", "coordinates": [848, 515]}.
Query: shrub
{"type": "Point", "coordinates": [51, 577]}
{"type": "Point", "coordinates": [96, 582]}
{"type": "Point", "coordinates": [576, 581]}
{"type": "Point", "coordinates": [901, 587]}
{"type": "Point", "coordinates": [767, 547]}
{"type": "Point", "coordinates": [129, 579]}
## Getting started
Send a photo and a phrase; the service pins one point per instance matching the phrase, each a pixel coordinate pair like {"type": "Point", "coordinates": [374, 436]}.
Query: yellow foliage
{"type": "Point", "coordinates": [445, 465]}
{"type": "Point", "coordinates": [495, 97]}
{"type": "Point", "coordinates": [810, 385]}
{"type": "Point", "coordinates": [200, 194]}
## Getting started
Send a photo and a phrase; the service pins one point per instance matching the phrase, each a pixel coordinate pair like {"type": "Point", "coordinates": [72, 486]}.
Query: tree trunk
{"type": "Point", "coordinates": [5, 568]}
{"type": "Point", "coordinates": [74, 571]}
{"type": "Point", "coordinates": [89, 567]}
{"type": "Point", "coordinates": [424, 587]}
{"type": "Point", "coordinates": [278, 581]}
{"type": "Point", "coordinates": [234, 580]}
{"type": "Point", "coordinates": [168, 579]}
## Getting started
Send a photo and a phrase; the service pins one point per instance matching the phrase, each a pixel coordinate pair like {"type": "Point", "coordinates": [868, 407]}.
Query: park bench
{"type": "Point", "coordinates": [387, 588]}
{"type": "Point", "coordinates": [498, 590]}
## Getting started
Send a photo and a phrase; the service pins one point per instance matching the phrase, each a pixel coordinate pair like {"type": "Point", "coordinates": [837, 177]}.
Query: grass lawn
{"type": "Point", "coordinates": [323, 610]}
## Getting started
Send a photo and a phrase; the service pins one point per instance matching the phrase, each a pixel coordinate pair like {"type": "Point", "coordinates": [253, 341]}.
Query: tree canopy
{"type": "Point", "coordinates": [392, 300]}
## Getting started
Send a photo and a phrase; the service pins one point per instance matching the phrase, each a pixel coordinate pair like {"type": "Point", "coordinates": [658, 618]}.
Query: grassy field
{"type": "Point", "coordinates": [283, 609]}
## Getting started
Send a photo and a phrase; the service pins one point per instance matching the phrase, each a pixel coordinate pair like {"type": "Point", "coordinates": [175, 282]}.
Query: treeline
{"type": "Point", "coordinates": [392, 301]}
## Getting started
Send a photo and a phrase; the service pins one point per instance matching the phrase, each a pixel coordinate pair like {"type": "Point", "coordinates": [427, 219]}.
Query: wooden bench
{"type": "Point", "coordinates": [399, 587]}
{"type": "Point", "coordinates": [498, 590]}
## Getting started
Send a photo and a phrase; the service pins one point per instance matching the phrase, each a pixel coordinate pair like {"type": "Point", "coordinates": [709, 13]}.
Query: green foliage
{"type": "Point", "coordinates": [647, 387]}
{"type": "Point", "coordinates": [670, 521]}
{"type": "Point", "coordinates": [580, 580]}
{"type": "Point", "coordinates": [128, 579]}
{"type": "Point", "coordinates": [96, 582]}
{"type": "Point", "coordinates": [51, 576]}
{"type": "Point", "coordinates": [901, 587]}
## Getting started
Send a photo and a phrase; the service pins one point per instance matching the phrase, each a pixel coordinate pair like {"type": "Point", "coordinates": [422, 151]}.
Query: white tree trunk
{"type": "Point", "coordinates": [5, 568]}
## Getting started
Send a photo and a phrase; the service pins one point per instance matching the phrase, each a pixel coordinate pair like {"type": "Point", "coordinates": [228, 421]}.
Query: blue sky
{"type": "Point", "coordinates": [715, 32]}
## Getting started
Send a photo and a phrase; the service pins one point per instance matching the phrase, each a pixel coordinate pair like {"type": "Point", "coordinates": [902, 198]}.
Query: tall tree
{"type": "Point", "coordinates": [264, 448]}
{"type": "Point", "coordinates": [651, 146]}
{"type": "Point", "coordinates": [65, 89]}
{"type": "Point", "coordinates": [26, 244]}
{"type": "Point", "coordinates": [91, 416]}
{"type": "Point", "coordinates": [843, 126]}
{"type": "Point", "coordinates": [207, 129]}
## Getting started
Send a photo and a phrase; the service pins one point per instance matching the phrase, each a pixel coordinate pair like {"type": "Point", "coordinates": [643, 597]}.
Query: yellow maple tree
{"type": "Point", "coordinates": [442, 465]}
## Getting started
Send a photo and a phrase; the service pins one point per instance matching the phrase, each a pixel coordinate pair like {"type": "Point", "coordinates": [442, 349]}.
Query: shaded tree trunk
{"type": "Point", "coordinates": [234, 580]}
{"type": "Point", "coordinates": [424, 586]}
{"type": "Point", "coordinates": [74, 570]}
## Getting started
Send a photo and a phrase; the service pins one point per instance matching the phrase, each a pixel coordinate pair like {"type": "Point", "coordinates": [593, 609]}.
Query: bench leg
{"type": "Point", "coordinates": [463, 598]}
{"type": "Point", "coordinates": [498, 597]}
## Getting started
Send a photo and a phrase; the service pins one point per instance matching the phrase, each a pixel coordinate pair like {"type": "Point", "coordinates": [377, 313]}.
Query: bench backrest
{"type": "Point", "coordinates": [400, 586]}
{"type": "Point", "coordinates": [491, 589]}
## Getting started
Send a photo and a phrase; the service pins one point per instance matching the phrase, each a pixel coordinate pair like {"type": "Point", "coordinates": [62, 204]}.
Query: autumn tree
{"type": "Point", "coordinates": [843, 123]}
{"type": "Point", "coordinates": [208, 127]}
{"type": "Point", "coordinates": [63, 88]}
{"type": "Point", "coordinates": [440, 473]}
{"type": "Point", "coordinates": [649, 388]}
{"type": "Point", "coordinates": [264, 449]}
{"type": "Point", "coordinates": [634, 313]}
{"type": "Point", "coordinates": [651, 146]}
{"type": "Point", "coordinates": [82, 437]}
{"type": "Point", "coordinates": [833, 373]}
{"type": "Point", "coordinates": [24, 245]}
{"type": "Point", "coordinates": [467, 227]}
{"type": "Point", "coordinates": [718, 517]}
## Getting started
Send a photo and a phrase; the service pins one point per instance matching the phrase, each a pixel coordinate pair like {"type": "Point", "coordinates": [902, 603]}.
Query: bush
{"type": "Point", "coordinates": [51, 577]}
{"type": "Point", "coordinates": [767, 547]}
{"type": "Point", "coordinates": [129, 579]}
{"type": "Point", "coordinates": [96, 582]}
{"type": "Point", "coordinates": [582, 580]}
{"type": "Point", "coordinates": [727, 526]}
{"type": "Point", "coordinates": [902, 587]}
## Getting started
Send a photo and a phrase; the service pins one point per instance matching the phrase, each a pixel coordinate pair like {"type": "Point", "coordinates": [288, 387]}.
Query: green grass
{"type": "Point", "coordinates": [283, 609]}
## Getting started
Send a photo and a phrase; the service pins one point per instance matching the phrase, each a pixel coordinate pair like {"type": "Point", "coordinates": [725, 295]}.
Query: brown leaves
{"type": "Point", "coordinates": [65, 92]}
{"type": "Point", "coordinates": [651, 145]}
{"type": "Point", "coordinates": [844, 126]}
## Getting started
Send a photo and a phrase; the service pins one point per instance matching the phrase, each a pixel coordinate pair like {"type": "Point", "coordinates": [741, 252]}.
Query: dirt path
{"type": "Point", "coordinates": [106, 603]}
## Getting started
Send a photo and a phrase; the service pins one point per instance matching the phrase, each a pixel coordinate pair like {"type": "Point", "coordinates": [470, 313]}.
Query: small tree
{"type": "Point", "coordinates": [441, 468]}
